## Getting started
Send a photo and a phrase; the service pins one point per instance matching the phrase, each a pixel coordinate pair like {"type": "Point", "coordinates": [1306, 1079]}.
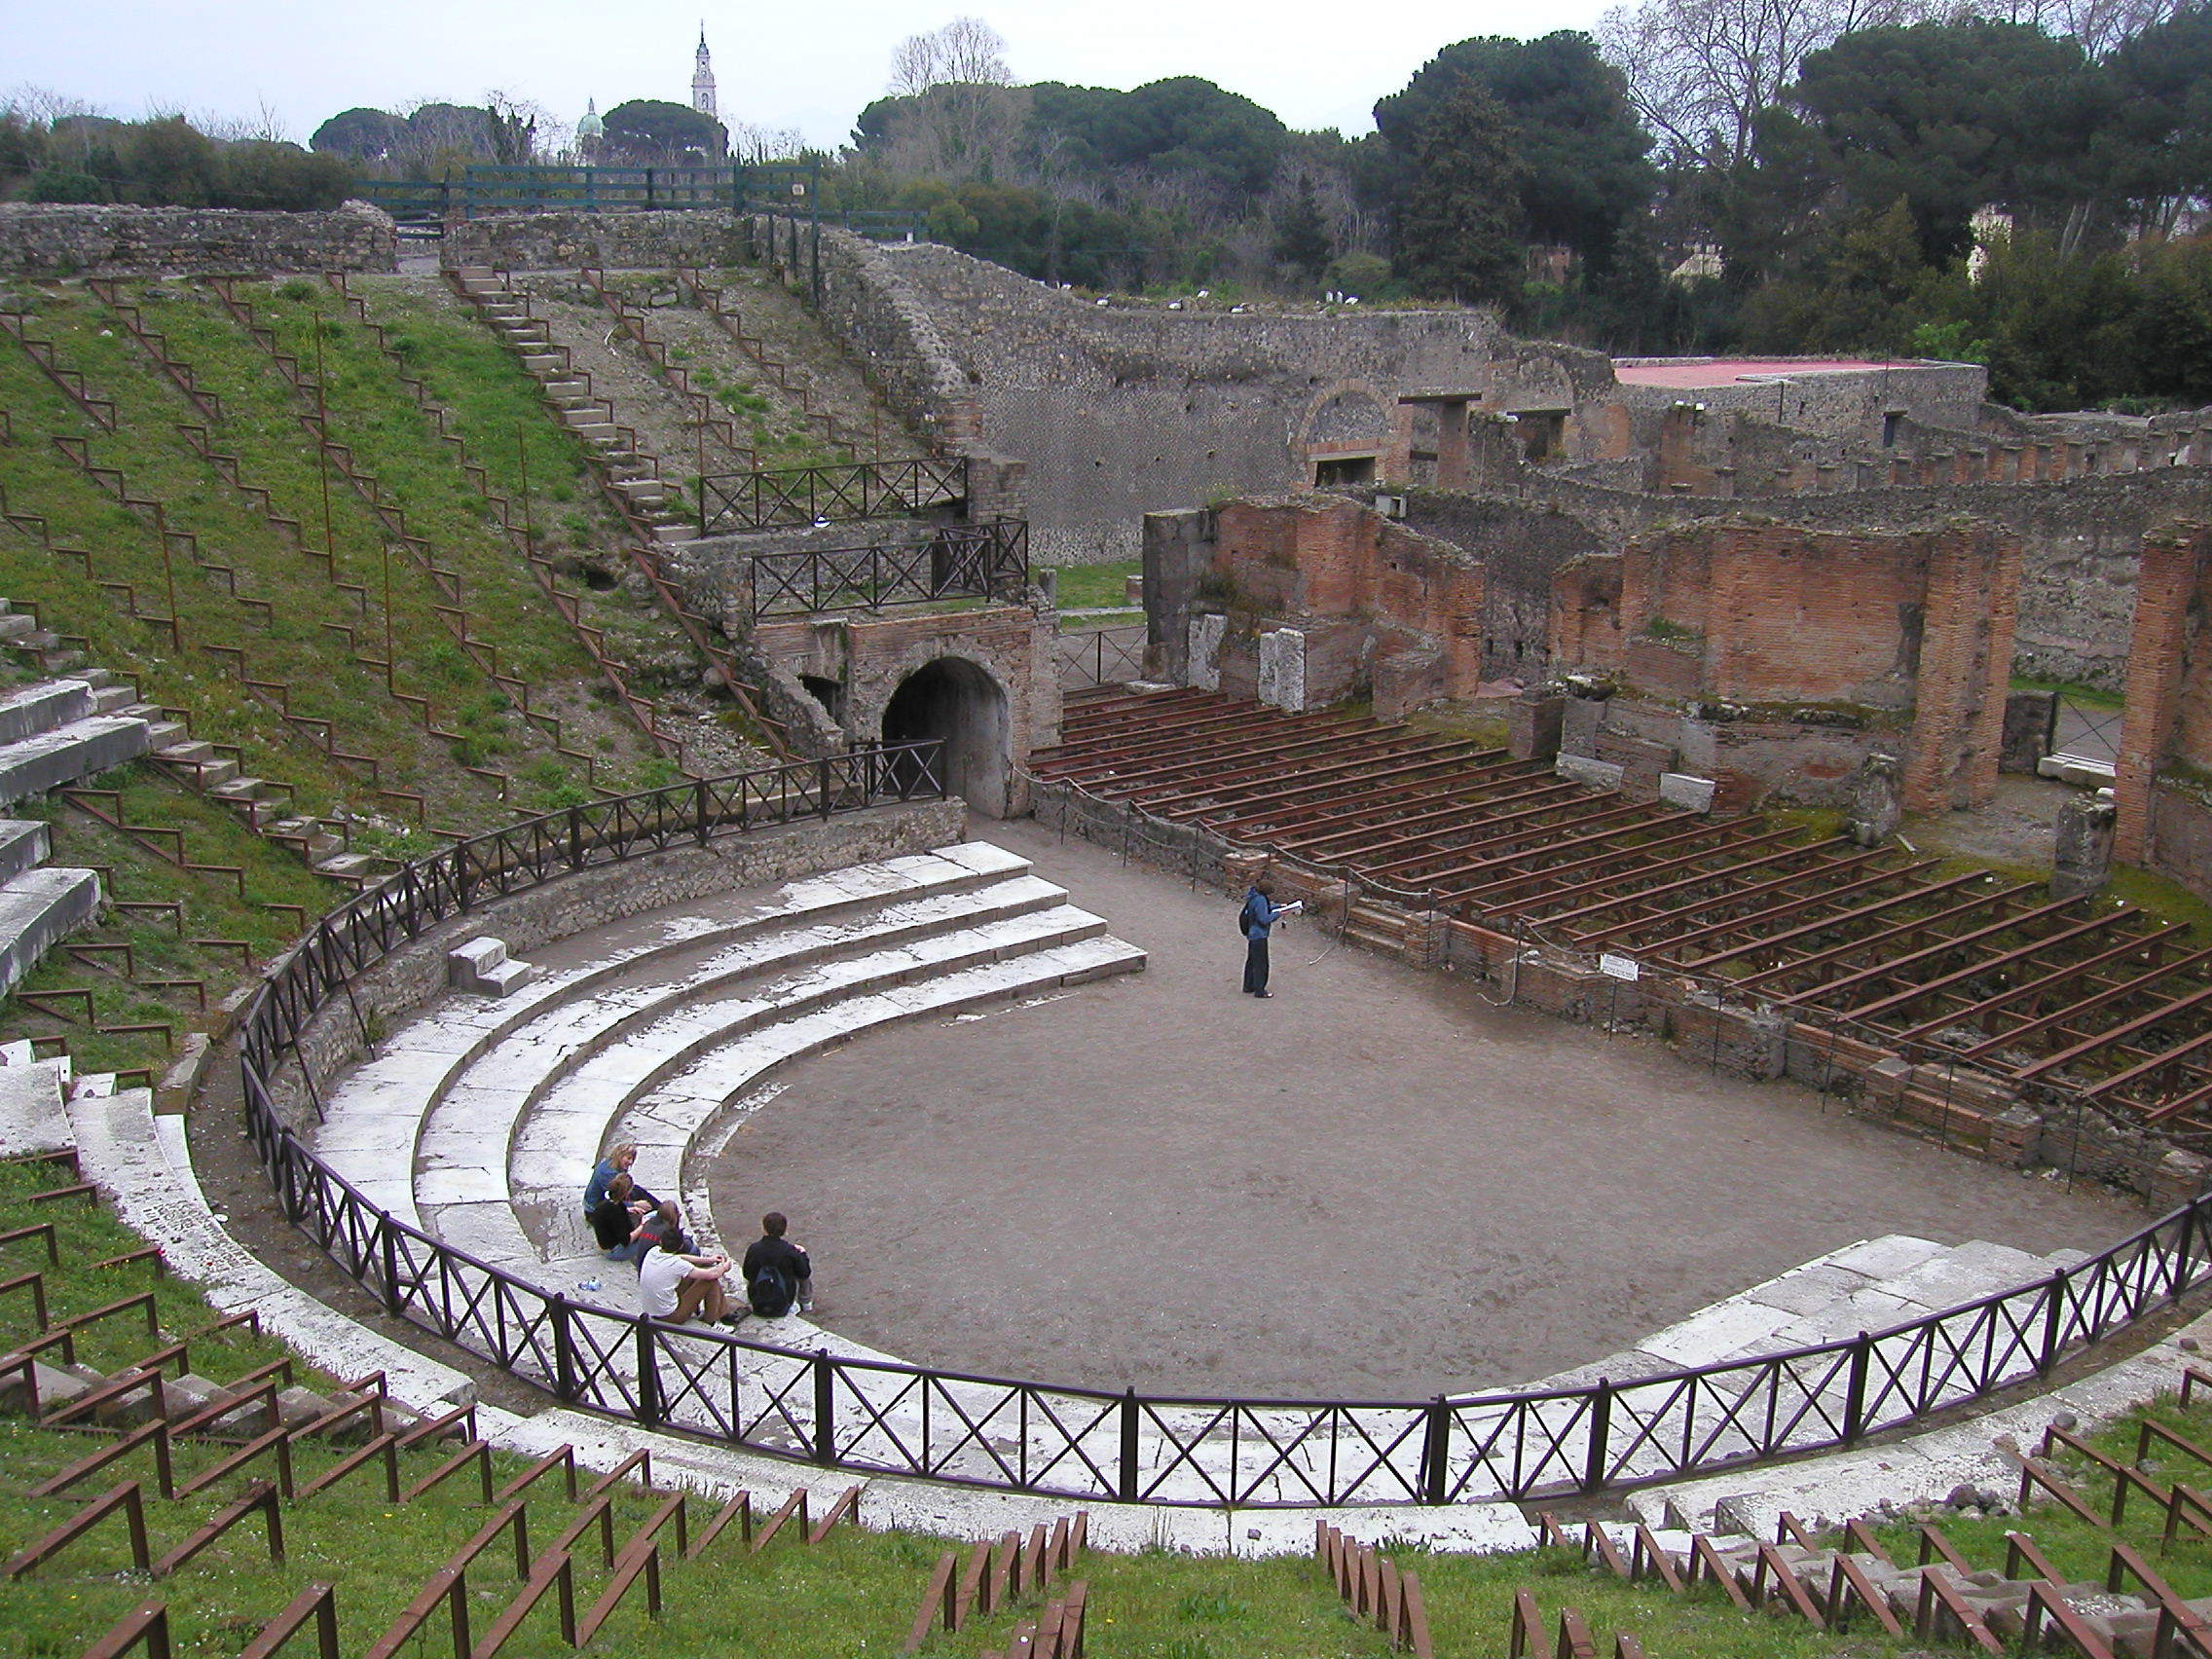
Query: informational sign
{"type": "Point", "coordinates": [1620, 966]}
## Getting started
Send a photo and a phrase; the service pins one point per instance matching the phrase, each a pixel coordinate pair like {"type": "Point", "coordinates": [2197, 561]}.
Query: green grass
{"type": "Point", "coordinates": [2073, 690]}
{"type": "Point", "coordinates": [1084, 587]}
{"type": "Point", "coordinates": [855, 1594]}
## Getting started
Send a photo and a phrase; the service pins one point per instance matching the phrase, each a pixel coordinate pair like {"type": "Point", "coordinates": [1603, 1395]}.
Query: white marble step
{"type": "Point", "coordinates": [554, 1149]}
{"type": "Point", "coordinates": [1867, 1286]}
{"type": "Point", "coordinates": [48, 760]}
{"type": "Point", "coordinates": [375, 1115]}
{"type": "Point", "coordinates": [452, 1151]}
{"type": "Point", "coordinates": [32, 1114]}
{"type": "Point", "coordinates": [38, 909]}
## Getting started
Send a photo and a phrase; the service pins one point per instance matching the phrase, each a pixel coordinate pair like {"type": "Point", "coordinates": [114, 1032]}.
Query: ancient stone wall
{"type": "Point", "coordinates": [56, 240]}
{"type": "Point", "coordinates": [2079, 541]}
{"type": "Point", "coordinates": [614, 241]}
{"type": "Point", "coordinates": [1128, 408]}
{"type": "Point", "coordinates": [2165, 745]}
{"type": "Point", "coordinates": [869, 659]}
{"type": "Point", "coordinates": [1360, 601]}
{"type": "Point", "coordinates": [1817, 647]}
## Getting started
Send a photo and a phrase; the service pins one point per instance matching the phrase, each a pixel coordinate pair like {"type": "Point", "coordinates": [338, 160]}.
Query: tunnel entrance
{"type": "Point", "coordinates": [954, 700]}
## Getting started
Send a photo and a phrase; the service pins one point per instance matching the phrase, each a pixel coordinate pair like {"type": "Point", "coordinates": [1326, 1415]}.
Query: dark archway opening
{"type": "Point", "coordinates": [955, 701]}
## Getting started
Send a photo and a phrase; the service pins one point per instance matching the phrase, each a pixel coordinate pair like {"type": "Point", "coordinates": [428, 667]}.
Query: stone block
{"type": "Point", "coordinates": [1876, 806]}
{"type": "Point", "coordinates": [482, 966]}
{"type": "Point", "coordinates": [1282, 670]}
{"type": "Point", "coordinates": [1582, 769]}
{"type": "Point", "coordinates": [1579, 720]}
{"type": "Point", "coordinates": [37, 910]}
{"type": "Point", "coordinates": [2081, 855]}
{"type": "Point", "coordinates": [2027, 730]}
{"type": "Point", "coordinates": [1532, 725]}
{"type": "Point", "coordinates": [1680, 789]}
{"type": "Point", "coordinates": [1204, 662]}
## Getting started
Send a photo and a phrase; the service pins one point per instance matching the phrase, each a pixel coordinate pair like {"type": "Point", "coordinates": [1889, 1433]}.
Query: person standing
{"type": "Point", "coordinates": [1256, 921]}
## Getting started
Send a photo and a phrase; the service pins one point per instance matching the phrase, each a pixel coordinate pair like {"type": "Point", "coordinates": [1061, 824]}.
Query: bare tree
{"type": "Point", "coordinates": [1699, 71]}
{"type": "Point", "coordinates": [966, 51]}
{"type": "Point", "coordinates": [751, 145]}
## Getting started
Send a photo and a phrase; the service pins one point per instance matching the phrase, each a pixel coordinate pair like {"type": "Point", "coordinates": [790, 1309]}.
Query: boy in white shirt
{"type": "Point", "coordinates": [677, 1287]}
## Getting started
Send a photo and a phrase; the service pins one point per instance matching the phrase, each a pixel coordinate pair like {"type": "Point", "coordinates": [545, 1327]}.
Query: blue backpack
{"type": "Point", "coordinates": [769, 1292]}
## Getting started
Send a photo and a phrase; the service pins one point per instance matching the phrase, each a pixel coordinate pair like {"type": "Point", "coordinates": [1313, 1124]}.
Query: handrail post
{"type": "Point", "coordinates": [825, 1408]}
{"type": "Point", "coordinates": [699, 797]}
{"type": "Point", "coordinates": [1600, 1424]}
{"type": "Point", "coordinates": [564, 1348]}
{"type": "Point", "coordinates": [649, 1375]}
{"type": "Point", "coordinates": [388, 1240]}
{"type": "Point", "coordinates": [1129, 1460]}
{"type": "Point", "coordinates": [2054, 1321]}
{"type": "Point", "coordinates": [822, 785]}
{"type": "Point", "coordinates": [1435, 1451]}
{"type": "Point", "coordinates": [575, 837]}
{"type": "Point", "coordinates": [1855, 1393]}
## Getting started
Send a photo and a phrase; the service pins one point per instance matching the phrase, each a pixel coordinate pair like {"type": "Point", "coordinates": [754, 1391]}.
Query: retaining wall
{"type": "Point", "coordinates": [59, 239]}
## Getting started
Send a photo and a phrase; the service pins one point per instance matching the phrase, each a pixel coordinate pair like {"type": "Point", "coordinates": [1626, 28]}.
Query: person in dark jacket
{"type": "Point", "coordinates": [1258, 919]}
{"type": "Point", "coordinates": [775, 1257]}
{"type": "Point", "coordinates": [616, 1221]}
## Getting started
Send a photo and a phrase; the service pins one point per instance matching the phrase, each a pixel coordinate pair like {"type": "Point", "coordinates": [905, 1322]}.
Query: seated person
{"type": "Point", "coordinates": [617, 1162]}
{"type": "Point", "coordinates": [778, 1276]}
{"type": "Point", "coordinates": [618, 1221]}
{"type": "Point", "coordinates": [678, 1287]}
{"type": "Point", "coordinates": [665, 1221]}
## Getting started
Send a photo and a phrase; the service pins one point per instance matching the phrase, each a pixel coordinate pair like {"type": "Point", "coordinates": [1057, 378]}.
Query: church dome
{"type": "Point", "coordinates": [591, 127]}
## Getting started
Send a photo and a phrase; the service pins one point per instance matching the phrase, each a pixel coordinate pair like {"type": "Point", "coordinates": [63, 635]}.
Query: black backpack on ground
{"type": "Point", "coordinates": [769, 1292]}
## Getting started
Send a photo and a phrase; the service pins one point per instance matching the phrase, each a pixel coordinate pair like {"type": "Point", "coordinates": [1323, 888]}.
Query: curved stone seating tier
{"type": "Point", "coordinates": [478, 1122]}
{"type": "Point", "coordinates": [374, 1119]}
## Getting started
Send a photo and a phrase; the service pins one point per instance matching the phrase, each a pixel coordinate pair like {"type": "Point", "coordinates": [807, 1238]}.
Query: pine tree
{"type": "Point", "coordinates": [1461, 224]}
{"type": "Point", "coordinates": [1302, 236]}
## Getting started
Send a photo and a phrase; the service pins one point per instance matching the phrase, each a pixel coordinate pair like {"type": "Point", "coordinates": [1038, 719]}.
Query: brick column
{"type": "Point", "coordinates": [2158, 653]}
{"type": "Point", "coordinates": [1966, 668]}
{"type": "Point", "coordinates": [1455, 456]}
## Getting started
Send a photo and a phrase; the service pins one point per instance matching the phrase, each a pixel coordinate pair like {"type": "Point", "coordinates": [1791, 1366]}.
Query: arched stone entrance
{"type": "Point", "coordinates": [952, 699]}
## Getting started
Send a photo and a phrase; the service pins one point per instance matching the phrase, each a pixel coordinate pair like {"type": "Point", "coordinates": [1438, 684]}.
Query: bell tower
{"type": "Point", "coordinates": [703, 78]}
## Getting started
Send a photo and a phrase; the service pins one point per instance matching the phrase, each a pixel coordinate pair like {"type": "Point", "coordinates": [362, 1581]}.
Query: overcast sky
{"type": "Point", "coordinates": [809, 65]}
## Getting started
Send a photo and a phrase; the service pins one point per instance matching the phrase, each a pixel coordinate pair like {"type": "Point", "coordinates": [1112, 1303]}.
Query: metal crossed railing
{"type": "Point", "coordinates": [845, 492]}
{"type": "Point", "coordinates": [877, 1415]}
{"type": "Point", "coordinates": [960, 561]}
{"type": "Point", "coordinates": [1086, 658]}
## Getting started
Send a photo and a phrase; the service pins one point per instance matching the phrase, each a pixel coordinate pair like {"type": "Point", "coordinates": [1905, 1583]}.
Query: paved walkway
{"type": "Point", "coordinates": [1372, 1185]}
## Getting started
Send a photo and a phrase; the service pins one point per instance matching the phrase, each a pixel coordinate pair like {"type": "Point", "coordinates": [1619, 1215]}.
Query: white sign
{"type": "Point", "coordinates": [1618, 967]}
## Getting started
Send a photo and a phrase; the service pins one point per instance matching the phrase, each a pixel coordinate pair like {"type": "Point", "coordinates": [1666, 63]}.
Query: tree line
{"type": "Point", "coordinates": [2024, 185]}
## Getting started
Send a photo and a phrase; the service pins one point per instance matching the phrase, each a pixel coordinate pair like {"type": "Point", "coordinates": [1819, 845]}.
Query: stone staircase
{"type": "Point", "coordinates": [628, 474]}
{"type": "Point", "coordinates": [479, 1121]}
{"type": "Point", "coordinates": [61, 731]}
{"type": "Point", "coordinates": [54, 733]}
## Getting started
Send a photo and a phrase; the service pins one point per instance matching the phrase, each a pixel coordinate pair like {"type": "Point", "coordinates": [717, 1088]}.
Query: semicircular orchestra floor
{"type": "Point", "coordinates": [1372, 1185]}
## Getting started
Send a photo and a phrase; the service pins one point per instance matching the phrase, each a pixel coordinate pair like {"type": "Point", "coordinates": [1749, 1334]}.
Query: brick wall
{"type": "Point", "coordinates": [1775, 657]}
{"type": "Point", "coordinates": [2165, 671]}
{"type": "Point", "coordinates": [1379, 605]}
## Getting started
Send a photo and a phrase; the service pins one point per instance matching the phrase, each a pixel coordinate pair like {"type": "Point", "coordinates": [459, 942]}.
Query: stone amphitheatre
{"type": "Point", "coordinates": [1741, 1083]}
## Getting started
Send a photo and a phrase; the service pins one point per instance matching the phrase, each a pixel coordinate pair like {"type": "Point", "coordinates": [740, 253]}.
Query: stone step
{"type": "Point", "coordinates": [686, 1079]}
{"type": "Point", "coordinates": [23, 844]}
{"type": "Point", "coordinates": [34, 765]}
{"type": "Point", "coordinates": [26, 711]}
{"type": "Point", "coordinates": [38, 909]}
{"type": "Point", "coordinates": [16, 627]}
{"type": "Point", "coordinates": [242, 791]}
{"type": "Point", "coordinates": [110, 700]}
{"type": "Point", "coordinates": [34, 1115]}
{"type": "Point", "coordinates": [385, 1105]}
{"type": "Point", "coordinates": [346, 867]}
